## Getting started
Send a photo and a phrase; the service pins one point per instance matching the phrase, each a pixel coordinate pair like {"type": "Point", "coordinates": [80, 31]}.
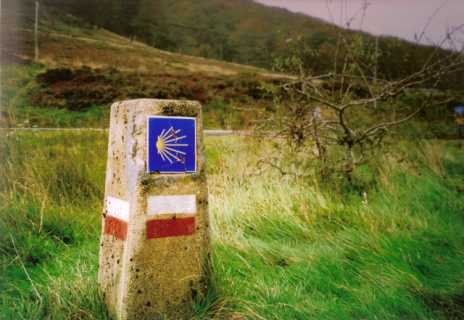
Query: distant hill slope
{"type": "Point", "coordinates": [241, 31]}
{"type": "Point", "coordinates": [67, 41]}
{"type": "Point", "coordinates": [83, 69]}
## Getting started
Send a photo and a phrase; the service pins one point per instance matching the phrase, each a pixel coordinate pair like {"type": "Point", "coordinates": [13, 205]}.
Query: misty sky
{"type": "Point", "coordinates": [402, 18]}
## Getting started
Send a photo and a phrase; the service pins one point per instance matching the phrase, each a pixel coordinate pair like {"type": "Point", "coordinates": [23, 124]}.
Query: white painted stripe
{"type": "Point", "coordinates": [117, 208]}
{"type": "Point", "coordinates": [172, 204]}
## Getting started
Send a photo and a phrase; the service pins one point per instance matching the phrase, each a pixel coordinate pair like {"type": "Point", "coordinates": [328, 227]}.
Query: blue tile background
{"type": "Point", "coordinates": [188, 128]}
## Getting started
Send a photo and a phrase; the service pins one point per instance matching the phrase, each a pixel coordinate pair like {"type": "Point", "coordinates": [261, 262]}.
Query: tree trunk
{"type": "Point", "coordinates": [349, 163]}
{"type": "Point", "coordinates": [321, 150]}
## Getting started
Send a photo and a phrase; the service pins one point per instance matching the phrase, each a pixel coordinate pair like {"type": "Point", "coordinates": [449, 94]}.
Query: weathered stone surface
{"type": "Point", "coordinates": [143, 278]}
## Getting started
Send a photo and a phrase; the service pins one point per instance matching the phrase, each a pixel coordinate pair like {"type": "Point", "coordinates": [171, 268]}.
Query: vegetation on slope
{"type": "Point", "coordinates": [35, 96]}
{"type": "Point", "coordinates": [241, 31]}
{"type": "Point", "coordinates": [70, 41]}
{"type": "Point", "coordinates": [283, 248]}
{"type": "Point", "coordinates": [82, 70]}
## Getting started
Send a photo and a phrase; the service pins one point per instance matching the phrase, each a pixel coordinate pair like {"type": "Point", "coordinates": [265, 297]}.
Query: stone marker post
{"type": "Point", "coordinates": [154, 254]}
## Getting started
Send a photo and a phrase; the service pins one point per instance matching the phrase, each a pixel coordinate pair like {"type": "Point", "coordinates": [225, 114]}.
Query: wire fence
{"type": "Point", "coordinates": [208, 132]}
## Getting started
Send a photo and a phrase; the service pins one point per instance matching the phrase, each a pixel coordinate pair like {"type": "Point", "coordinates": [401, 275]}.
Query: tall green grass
{"type": "Point", "coordinates": [283, 247]}
{"type": "Point", "coordinates": [50, 189]}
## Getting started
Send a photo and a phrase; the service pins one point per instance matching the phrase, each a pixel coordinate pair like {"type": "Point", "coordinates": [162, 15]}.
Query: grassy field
{"type": "Point", "coordinates": [283, 248]}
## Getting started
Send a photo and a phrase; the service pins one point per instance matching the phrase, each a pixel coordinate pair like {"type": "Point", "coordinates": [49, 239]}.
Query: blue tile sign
{"type": "Point", "coordinates": [459, 110]}
{"type": "Point", "coordinates": [171, 144]}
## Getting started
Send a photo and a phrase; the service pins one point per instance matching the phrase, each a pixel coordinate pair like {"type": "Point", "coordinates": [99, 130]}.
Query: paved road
{"type": "Point", "coordinates": [207, 132]}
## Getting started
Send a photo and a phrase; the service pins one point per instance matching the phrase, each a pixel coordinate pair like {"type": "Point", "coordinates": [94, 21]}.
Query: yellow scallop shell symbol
{"type": "Point", "coordinates": [168, 146]}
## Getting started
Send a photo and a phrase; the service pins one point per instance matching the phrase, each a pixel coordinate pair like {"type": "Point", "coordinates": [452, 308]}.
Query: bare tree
{"type": "Point", "coordinates": [336, 113]}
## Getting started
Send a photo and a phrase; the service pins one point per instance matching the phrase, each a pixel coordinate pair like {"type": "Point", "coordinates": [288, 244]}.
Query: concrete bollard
{"type": "Point", "coordinates": [154, 250]}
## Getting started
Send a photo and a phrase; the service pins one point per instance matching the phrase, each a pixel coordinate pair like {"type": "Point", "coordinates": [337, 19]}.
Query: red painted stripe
{"type": "Point", "coordinates": [170, 227]}
{"type": "Point", "coordinates": [116, 227]}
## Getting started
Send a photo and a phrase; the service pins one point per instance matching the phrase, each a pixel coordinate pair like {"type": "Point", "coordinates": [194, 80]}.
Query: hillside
{"type": "Point", "coordinates": [82, 69]}
{"type": "Point", "coordinates": [68, 41]}
{"type": "Point", "coordinates": [241, 31]}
